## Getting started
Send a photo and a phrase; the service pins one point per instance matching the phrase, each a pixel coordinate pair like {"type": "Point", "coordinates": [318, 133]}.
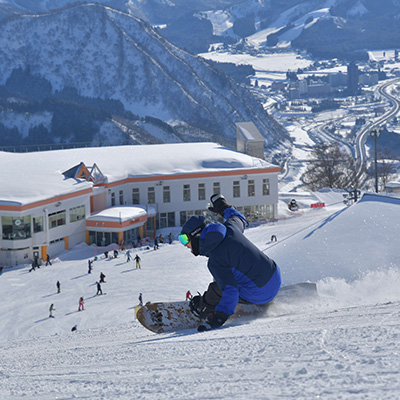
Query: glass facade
{"type": "Point", "coordinates": [236, 188]}
{"type": "Point", "coordinates": [16, 228]}
{"type": "Point", "coordinates": [265, 187]}
{"type": "Point", "coordinates": [57, 219]}
{"type": "Point", "coordinates": [166, 194]}
{"type": "Point", "coordinates": [258, 213]}
{"type": "Point", "coordinates": [251, 188]}
{"type": "Point", "coordinates": [38, 225]}
{"type": "Point", "coordinates": [103, 238]}
{"type": "Point", "coordinates": [166, 220]}
{"type": "Point", "coordinates": [202, 191]}
{"type": "Point", "coordinates": [77, 213]}
{"type": "Point", "coordinates": [151, 195]}
{"type": "Point", "coordinates": [135, 196]}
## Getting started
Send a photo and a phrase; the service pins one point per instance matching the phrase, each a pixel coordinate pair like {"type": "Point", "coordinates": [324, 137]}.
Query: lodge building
{"type": "Point", "coordinates": [51, 201]}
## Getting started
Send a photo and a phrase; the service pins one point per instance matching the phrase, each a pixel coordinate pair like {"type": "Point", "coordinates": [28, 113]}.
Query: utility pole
{"type": "Point", "coordinates": [375, 133]}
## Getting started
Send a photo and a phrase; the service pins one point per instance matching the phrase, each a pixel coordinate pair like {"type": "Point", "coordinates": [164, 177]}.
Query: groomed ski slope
{"type": "Point", "coordinates": [343, 345]}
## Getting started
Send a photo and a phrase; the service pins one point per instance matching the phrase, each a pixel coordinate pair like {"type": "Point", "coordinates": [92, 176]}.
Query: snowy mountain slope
{"type": "Point", "coordinates": [108, 54]}
{"type": "Point", "coordinates": [342, 345]}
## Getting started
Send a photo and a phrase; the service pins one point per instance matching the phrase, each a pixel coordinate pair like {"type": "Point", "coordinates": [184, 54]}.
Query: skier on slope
{"type": "Point", "coordinates": [242, 273]}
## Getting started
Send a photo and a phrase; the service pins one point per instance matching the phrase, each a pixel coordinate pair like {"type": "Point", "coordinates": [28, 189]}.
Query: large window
{"type": "Point", "coordinates": [236, 188]}
{"type": "Point", "coordinates": [121, 197]}
{"type": "Point", "coordinates": [151, 195]}
{"type": "Point", "coordinates": [166, 220]}
{"type": "Point", "coordinates": [77, 213]}
{"type": "Point", "coordinates": [202, 191]}
{"type": "Point", "coordinates": [265, 187]}
{"type": "Point", "coordinates": [112, 199]}
{"type": "Point", "coordinates": [186, 192]}
{"type": "Point", "coordinates": [103, 238]}
{"type": "Point", "coordinates": [38, 225]}
{"type": "Point", "coordinates": [251, 188]}
{"type": "Point", "coordinates": [166, 194]}
{"type": "Point", "coordinates": [216, 188]}
{"type": "Point", "coordinates": [135, 196]}
{"type": "Point", "coordinates": [57, 219]}
{"type": "Point", "coordinates": [16, 228]}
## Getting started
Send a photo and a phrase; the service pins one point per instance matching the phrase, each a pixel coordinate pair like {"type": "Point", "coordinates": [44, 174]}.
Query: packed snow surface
{"type": "Point", "coordinates": [342, 345]}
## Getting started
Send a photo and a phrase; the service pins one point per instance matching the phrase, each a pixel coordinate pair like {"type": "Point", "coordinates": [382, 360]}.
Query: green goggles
{"type": "Point", "coordinates": [184, 239]}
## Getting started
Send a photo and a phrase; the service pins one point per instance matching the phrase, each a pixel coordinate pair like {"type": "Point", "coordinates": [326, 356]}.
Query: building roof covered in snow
{"type": "Point", "coordinates": [26, 178]}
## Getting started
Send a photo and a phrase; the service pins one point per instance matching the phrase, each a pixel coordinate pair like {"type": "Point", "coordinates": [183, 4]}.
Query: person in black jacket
{"type": "Point", "coordinates": [242, 272]}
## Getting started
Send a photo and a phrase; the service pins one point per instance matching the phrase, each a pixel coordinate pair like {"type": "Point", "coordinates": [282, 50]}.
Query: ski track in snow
{"type": "Point", "coordinates": [342, 345]}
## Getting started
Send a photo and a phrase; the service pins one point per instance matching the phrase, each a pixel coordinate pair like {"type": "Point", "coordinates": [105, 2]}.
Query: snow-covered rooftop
{"type": "Point", "coordinates": [121, 213]}
{"type": "Point", "coordinates": [29, 177]}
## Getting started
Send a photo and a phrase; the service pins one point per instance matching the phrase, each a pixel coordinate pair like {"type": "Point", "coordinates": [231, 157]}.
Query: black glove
{"type": "Point", "coordinates": [218, 204]}
{"type": "Point", "coordinates": [214, 321]}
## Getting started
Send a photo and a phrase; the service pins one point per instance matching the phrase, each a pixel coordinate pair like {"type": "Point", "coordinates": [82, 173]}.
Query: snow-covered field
{"type": "Point", "coordinates": [343, 345]}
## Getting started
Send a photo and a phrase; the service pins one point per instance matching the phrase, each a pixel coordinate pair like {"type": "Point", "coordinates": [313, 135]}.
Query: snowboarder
{"type": "Point", "coordinates": [140, 300]}
{"type": "Point", "coordinates": [115, 253]}
{"type": "Point", "coordinates": [81, 304]}
{"type": "Point", "coordinates": [51, 309]}
{"type": "Point", "coordinates": [106, 254]}
{"type": "Point", "coordinates": [188, 295]}
{"type": "Point", "coordinates": [48, 260]}
{"type": "Point", "coordinates": [170, 238]}
{"type": "Point", "coordinates": [90, 266]}
{"type": "Point", "coordinates": [58, 284]}
{"type": "Point", "coordinates": [102, 276]}
{"type": "Point", "coordinates": [99, 291]}
{"type": "Point", "coordinates": [137, 259]}
{"type": "Point", "coordinates": [155, 243]}
{"type": "Point", "coordinates": [242, 272]}
{"type": "Point", "coordinates": [128, 256]}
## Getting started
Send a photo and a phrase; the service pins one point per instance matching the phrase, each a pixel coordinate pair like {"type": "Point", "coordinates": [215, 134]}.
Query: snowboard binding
{"type": "Point", "coordinates": [199, 307]}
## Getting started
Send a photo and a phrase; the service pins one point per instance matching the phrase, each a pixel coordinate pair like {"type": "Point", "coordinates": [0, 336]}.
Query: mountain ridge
{"type": "Point", "coordinates": [105, 53]}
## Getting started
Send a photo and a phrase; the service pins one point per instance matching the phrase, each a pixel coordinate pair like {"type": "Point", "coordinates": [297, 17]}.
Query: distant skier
{"type": "Point", "coordinates": [74, 328]}
{"type": "Point", "coordinates": [99, 291]}
{"type": "Point", "coordinates": [115, 253]}
{"type": "Point", "coordinates": [48, 260]}
{"type": "Point", "coordinates": [102, 276]}
{"type": "Point", "coordinates": [51, 309]}
{"type": "Point", "coordinates": [155, 243]}
{"type": "Point", "coordinates": [58, 284]}
{"type": "Point", "coordinates": [81, 304]}
{"type": "Point", "coordinates": [140, 300]}
{"type": "Point", "coordinates": [170, 238]}
{"type": "Point", "coordinates": [188, 295]}
{"type": "Point", "coordinates": [137, 259]}
{"type": "Point", "coordinates": [90, 266]}
{"type": "Point", "coordinates": [128, 256]}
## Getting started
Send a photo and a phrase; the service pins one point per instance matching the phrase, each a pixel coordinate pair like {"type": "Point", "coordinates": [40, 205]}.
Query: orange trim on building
{"type": "Point", "coordinates": [47, 201]}
{"type": "Point", "coordinates": [191, 176]}
{"type": "Point", "coordinates": [112, 224]}
{"type": "Point", "coordinates": [44, 252]}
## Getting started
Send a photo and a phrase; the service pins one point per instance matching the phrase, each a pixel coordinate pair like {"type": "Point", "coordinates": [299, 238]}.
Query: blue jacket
{"type": "Point", "coordinates": [237, 265]}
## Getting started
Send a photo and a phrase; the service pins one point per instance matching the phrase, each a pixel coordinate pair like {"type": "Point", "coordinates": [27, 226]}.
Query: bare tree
{"type": "Point", "coordinates": [386, 167]}
{"type": "Point", "coordinates": [330, 167]}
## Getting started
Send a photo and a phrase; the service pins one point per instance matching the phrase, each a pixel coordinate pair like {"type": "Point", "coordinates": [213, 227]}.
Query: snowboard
{"type": "Point", "coordinates": [175, 316]}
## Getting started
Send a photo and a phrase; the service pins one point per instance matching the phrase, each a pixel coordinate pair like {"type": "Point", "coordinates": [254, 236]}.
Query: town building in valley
{"type": "Point", "coordinates": [53, 200]}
